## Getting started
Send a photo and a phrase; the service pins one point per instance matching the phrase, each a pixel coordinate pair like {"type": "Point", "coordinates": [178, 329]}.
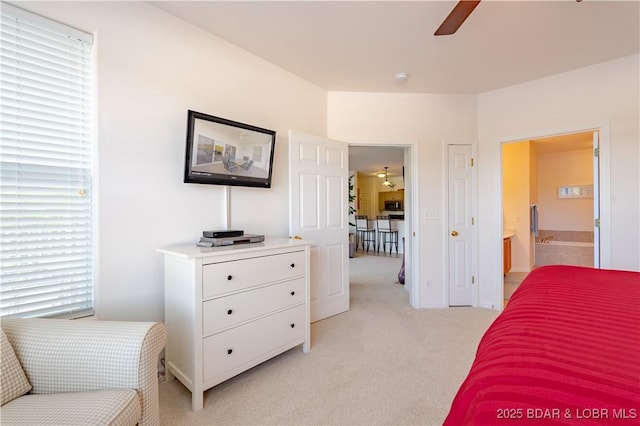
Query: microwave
{"type": "Point", "coordinates": [393, 205]}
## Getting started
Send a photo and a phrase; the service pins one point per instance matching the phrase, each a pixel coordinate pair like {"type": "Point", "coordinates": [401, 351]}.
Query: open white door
{"type": "Point", "coordinates": [318, 211]}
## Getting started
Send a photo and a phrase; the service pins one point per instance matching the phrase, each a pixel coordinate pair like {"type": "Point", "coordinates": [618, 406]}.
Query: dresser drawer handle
{"type": "Point", "coordinates": [293, 325]}
{"type": "Point", "coordinates": [230, 311]}
{"type": "Point", "coordinates": [293, 265]}
{"type": "Point", "coordinates": [293, 293]}
{"type": "Point", "coordinates": [229, 277]}
{"type": "Point", "coordinates": [229, 351]}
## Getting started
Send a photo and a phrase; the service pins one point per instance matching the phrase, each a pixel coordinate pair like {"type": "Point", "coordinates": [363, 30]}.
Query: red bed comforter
{"type": "Point", "coordinates": [566, 350]}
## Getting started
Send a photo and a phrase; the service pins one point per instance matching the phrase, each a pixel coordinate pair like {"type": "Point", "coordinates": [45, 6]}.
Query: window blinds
{"type": "Point", "coordinates": [46, 221]}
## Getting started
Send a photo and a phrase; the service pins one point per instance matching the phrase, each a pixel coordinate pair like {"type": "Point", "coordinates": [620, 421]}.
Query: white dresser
{"type": "Point", "coordinates": [230, 308]}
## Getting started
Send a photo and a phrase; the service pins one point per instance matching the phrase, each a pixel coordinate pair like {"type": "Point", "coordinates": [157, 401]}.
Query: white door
{"type": "Point", "coordinates": [318, 194]}
{"type": "Point", "coordinates": [596, 199]}
{"type": "Point", "coordinates": [460, 236]}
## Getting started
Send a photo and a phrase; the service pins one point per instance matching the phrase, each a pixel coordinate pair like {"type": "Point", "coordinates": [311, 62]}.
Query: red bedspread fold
{"type": "Point", "coordinates": [566, 350]}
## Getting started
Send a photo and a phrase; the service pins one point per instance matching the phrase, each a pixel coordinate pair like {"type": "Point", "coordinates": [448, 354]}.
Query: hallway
{"type": "Point", "coordinates": [511, 282]}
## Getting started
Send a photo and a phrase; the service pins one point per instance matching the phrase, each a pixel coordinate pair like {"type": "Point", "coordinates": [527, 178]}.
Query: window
{"type": "Point", "coordinates": [46, 193]}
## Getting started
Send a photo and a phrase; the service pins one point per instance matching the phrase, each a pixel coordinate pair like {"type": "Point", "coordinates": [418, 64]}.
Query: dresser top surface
{"type": "Point", "coordinates": [195, 251]}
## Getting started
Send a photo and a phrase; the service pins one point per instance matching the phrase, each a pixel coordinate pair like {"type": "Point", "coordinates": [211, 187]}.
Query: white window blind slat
{"type": "Point", "coordinates": [34, 156]}
{"type": "Point", "coordinates": [37, 86]}
{"type": "Point", "coordinates": [34, 59]}
{"type": "Point", "coordinates": [39, 128]}
{"type": "Point", "coordinates": [39, 109]}
{"type": "Point", "coordinates": [48, 270]}
{"type": "Point", "coordinates": [36, 47]}
{"type": "Point", "coordinates": [46, 198]}
{"type": "Point", "coordinates": [45, 24]}
{"type": "Point", "coordinates": [33, 248]}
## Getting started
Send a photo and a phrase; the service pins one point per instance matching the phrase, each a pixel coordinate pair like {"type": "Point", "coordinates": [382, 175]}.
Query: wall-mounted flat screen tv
{"type": "Point", "coordinates": [226, 152]}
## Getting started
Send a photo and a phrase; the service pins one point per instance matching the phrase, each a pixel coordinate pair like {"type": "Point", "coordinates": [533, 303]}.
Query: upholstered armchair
{"type": "Point", "coordinates": [80, 372]}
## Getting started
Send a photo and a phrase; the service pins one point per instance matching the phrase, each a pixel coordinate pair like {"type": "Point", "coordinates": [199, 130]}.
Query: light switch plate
{"type": "Point", "coordinates": [431, 214]}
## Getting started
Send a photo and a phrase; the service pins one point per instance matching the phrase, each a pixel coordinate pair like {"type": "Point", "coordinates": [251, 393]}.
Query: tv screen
{"type": "Point", "coordinates": [226, 152]}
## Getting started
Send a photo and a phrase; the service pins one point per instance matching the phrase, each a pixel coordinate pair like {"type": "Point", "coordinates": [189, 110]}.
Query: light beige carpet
{"type": "Point", "coordinates": [382, 362]}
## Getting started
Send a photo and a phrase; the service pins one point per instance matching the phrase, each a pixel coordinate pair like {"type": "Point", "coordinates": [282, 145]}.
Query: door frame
{"type": "Point", "coordinates": [595, 138]}
{"type": "Point", "coordinates": [412, 245]}
{"type": "Point", "coordinates": [604, 196]}
{"type": "Point", "coordinates": [475, 293]}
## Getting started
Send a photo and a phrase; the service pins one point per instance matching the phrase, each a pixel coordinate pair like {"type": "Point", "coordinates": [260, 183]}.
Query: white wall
{"type": "Point", "coordinates": [601, 96]}
{"type": "Point", "coordinates": [152, 68]}
{"type": "Point", "coordinates": [430, 121]}
{"type": "Point", "coordinates": [516, 196]}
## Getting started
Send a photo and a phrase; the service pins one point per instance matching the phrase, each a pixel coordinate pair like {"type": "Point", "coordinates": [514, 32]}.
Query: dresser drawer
{"type": "Point", "coordinates": [224, 312]}
{"type": "Point", "coordinates": [238, 346]}
{"type": "Point", "coordinates": [226, 277]}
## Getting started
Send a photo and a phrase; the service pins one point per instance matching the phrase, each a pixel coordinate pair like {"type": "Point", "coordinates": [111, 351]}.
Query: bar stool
{"type": "Point", "coordinates": [384, 230]}
{"type": "Point", "coordinates": [364, 233]}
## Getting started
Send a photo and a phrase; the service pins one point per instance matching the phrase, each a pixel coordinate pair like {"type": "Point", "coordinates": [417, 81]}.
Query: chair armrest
{"type": "Point", "coordinates": [74, 356]}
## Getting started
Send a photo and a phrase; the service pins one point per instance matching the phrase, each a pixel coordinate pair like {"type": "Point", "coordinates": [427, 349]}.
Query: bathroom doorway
{"type": "Point", "coordinates": [550, 204]}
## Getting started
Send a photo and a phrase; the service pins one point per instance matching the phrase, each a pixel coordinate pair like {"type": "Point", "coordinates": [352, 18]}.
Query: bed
{"type": "Point", "coordinates": [565, 350]}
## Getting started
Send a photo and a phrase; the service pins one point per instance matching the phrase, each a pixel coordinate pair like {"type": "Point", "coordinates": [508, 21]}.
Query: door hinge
{"type": "Point", "coordinates": [596, 223]}
{"type": "Point", "coordinates": [472, 162]}
{"type": "Point", "coordinates": [473, 221]}
{"type": "Point", "coordinates": [596, 152]}
{"type": "Point", "coordinates": [473, 279]}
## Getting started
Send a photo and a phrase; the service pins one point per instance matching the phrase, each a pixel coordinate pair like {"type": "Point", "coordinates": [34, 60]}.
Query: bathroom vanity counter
{"type": "Point", "coordinates": [508, 233]}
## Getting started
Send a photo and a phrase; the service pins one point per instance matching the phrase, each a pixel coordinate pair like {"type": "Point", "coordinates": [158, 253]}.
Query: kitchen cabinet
{"type": "Point", "coordinates": [389, 196]}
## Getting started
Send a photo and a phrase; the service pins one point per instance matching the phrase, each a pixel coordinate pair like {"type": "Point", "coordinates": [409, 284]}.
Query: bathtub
{"type": "Point", "coordinates": [566, 243]}
{"type": "Point", "coordinates": [564, 253]}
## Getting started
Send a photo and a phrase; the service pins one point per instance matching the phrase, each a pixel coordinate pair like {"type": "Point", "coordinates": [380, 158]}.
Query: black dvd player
{"type": "Point", "coordinates": [222, 234]}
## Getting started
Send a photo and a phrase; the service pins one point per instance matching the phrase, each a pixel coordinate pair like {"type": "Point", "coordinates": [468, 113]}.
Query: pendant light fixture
{"type": "Point", "coordinates": [386, 179]}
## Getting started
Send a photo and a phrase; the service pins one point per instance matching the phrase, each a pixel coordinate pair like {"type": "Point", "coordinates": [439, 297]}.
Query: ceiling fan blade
{"type": "Point", "coordinates": [458, 15]}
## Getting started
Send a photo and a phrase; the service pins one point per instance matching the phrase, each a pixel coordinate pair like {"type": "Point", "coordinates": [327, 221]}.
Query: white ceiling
{"type": "Point", "coordinates": [361, 45]}
{"type": "Point", "coordinates": [562, 143]}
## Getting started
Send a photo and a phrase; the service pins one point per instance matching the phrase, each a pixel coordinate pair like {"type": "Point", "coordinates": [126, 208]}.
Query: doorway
{"type": "Point", "coordinates": [319, 211]}
{"type": "Point", "coordinates": [367, 164]}
{"type": "Point", "coordinates": [550, 204]}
